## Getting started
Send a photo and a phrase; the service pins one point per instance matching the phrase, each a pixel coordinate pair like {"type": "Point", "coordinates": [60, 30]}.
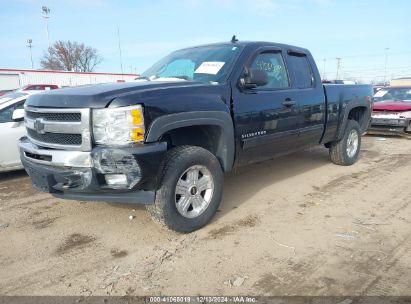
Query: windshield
{"type": "Point", "coordinates": [393, 94]}
{"type": "Point", "coordinates": [205, 64]}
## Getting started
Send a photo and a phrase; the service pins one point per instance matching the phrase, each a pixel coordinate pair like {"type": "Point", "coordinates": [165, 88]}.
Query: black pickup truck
{"type": "Point", "coordinates": [166, 139]}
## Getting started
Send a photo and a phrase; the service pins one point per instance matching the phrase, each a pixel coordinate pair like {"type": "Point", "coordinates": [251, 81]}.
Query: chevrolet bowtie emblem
{"type": "Point", "coordinates": [39, 125]}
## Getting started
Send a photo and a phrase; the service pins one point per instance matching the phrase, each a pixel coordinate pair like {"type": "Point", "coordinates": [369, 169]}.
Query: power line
{"type": "Point", "coordinates": [375, 69]}
{"type": "Point", "coordinates": [371, 55]}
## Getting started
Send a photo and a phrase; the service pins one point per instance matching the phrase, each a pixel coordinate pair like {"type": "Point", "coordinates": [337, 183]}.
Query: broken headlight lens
{"type": "Point", "coordinates": [118, 126]}
{"type": "Point", "coordinates": [406, 114]}
{"type": "Point", "coordinates": [120, 168]}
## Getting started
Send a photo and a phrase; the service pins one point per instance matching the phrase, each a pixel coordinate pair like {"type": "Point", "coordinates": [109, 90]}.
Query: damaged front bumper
{"type": "Point", "coordinates": [124, 175]}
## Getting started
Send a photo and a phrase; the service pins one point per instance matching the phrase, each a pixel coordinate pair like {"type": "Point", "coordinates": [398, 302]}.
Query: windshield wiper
{"type": "Point", "coordinates": [142, 78]}
{"type": "Point", "coordinates": [177, 76]}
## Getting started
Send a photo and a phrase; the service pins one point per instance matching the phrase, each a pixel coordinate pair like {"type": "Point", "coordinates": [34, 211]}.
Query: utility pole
{"type": "Point", "coordinates": [385, 66]}
{"type": "Point", "coordinates": [46, 15]}
{"type": "Point", "coordinates": [338, 67]}
{"type": "Point", "coordinates": [324, 60]}
{"type": "Point", "coordinates": [29, 45]}
{"type": "Point", "coordinates": [119, 49]}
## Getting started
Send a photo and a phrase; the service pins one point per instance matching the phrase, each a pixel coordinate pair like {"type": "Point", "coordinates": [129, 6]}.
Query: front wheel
{"type": "Point", "coordinates": [190, 191]}
{"type": "Point", "coordinates": [345, 151]}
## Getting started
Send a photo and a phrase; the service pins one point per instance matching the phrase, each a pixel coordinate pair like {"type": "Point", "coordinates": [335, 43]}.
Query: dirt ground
{"type": "Point", "coordinates": [297, 225]}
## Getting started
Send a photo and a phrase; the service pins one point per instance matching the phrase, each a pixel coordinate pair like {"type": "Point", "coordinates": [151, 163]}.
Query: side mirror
{"type": "Point", "coordinates": [254, 78]}
{"type": "Point", "coordinates": [18, 115]}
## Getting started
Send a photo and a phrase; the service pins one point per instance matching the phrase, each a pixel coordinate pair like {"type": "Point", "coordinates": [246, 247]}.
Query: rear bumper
{"type": "Point", "coordinates": [82, 175]}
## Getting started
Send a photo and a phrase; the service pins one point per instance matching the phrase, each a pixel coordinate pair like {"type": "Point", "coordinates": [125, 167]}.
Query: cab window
{"type": "Point", "coordinates": [273, 64]}
{"type": "Point", "coordinates": [303, 76]}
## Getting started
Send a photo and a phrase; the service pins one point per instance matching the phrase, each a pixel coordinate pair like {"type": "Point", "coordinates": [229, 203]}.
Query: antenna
{"type": "Point", "coordinates": [119, 48]}
{"type": "Point", "coordinates": [234, 39]}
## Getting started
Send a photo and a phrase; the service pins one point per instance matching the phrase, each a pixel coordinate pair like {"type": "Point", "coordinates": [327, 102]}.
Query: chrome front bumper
{"type": "Point", "coordinates": [51, 157]}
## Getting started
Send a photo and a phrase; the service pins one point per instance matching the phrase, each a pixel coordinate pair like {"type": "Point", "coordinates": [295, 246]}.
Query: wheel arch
{"type": "Point", "coordinates": [212, 130]}
{"type": "Point", "coordinates": [357, 112]}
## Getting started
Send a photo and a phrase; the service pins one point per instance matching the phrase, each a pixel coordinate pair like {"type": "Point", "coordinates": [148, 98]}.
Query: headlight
{"type": "Point", "coordinates": [406, 114]}
{"type": "Point", "coordinates": [118, 126]}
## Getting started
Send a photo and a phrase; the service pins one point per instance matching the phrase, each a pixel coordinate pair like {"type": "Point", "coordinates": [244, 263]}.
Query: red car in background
{"type": "Point", "coordinates": [391, 112]}
{"type": "Point", "coordinates": [39, 87]}
{"type": "Point", "coordinates": [32, 87]}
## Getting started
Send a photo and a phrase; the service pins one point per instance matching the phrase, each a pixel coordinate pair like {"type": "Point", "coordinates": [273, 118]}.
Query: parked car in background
{"type": "Point", "coordinates": [39, 87]}
{"type": "Point", "coordinates": [391, 112]}
{"type": "Point", "coordinates": [2, 92]}
{"type": "Point", "coordinates": [12, 128]}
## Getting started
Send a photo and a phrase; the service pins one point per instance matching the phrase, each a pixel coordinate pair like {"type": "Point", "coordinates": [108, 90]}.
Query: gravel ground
{"type": "Point", "coordinates": [297, 225]}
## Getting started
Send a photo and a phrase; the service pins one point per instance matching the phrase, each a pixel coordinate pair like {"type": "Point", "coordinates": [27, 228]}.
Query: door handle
{"type": "Point", "coordinates": [288, 103]}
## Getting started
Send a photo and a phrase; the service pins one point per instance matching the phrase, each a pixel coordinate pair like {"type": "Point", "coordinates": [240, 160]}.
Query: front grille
{"type": "Point", "coordinates": [56, 138]}
{"type": "Point", "coordinates": [59, 128]}
{"type": "Point", "coordinates": [55, 116]}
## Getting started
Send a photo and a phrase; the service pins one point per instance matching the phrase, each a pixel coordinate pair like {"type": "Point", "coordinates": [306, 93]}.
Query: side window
{"type": "Point", "coordinates": [34, 87]}
{"type": "Point", "coordinates": [273, 64]}
{"type": "Point", "coordinates": [7, 113]}
{"type": "Point", "coordinates": [303, 76]}
{"type": "Point", "coordinates": [19, 105]}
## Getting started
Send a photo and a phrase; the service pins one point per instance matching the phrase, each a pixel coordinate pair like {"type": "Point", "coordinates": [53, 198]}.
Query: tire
{"type": "Point", "coordinates": [345, 151]}
{"type": "Point", "coordinates": [190, 190]}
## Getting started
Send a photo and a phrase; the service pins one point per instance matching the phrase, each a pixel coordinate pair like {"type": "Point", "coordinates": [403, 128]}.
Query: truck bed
{"type": "Point", "coordinates": [340, 98]}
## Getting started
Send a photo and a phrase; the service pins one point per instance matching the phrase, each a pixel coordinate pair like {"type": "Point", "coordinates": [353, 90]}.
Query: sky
{"type": "Point", "coordinates": [367, 35]}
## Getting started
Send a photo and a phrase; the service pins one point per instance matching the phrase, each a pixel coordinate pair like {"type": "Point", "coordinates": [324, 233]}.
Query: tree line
{"type": "Point", "coordinates": [70, 56]}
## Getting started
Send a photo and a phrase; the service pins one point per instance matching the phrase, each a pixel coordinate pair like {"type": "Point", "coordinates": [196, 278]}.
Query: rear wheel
{"type": "Point", "coordinates": [345, 151]}
{"type": "Point", "coordinates": [190, 191]}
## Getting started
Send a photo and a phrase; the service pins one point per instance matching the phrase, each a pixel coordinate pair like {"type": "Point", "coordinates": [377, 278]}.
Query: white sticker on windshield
{"type": "Point", "coordinates": [209, 67]}
{"type": "Point", "coordinates": [380, 93]}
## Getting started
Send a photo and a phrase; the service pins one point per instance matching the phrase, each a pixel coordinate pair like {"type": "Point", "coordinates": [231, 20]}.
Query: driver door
{"type": "Point", "coordinates": [266, 116]}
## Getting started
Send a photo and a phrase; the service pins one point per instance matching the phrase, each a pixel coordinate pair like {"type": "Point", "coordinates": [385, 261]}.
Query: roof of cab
{"type": "Point", "coordinates": [255, 44]}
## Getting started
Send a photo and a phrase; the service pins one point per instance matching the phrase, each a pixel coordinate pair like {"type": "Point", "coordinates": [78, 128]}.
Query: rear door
{"type": "Point", "coordinates": [267, 117]}
{"type": "Point", "coordinates": [308, 91]}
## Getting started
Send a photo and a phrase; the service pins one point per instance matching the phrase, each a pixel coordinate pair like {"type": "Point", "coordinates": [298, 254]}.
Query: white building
{"type": "Point", "coordinates": [404, 81]}
{"type": "Point", "coordinates": [11, 79]}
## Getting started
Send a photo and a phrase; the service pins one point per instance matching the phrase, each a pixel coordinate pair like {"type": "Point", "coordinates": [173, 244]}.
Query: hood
{"type": "Point", "coordinates": [392, 106]}
{"type": "Point", "coordinates": [99, 95]}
